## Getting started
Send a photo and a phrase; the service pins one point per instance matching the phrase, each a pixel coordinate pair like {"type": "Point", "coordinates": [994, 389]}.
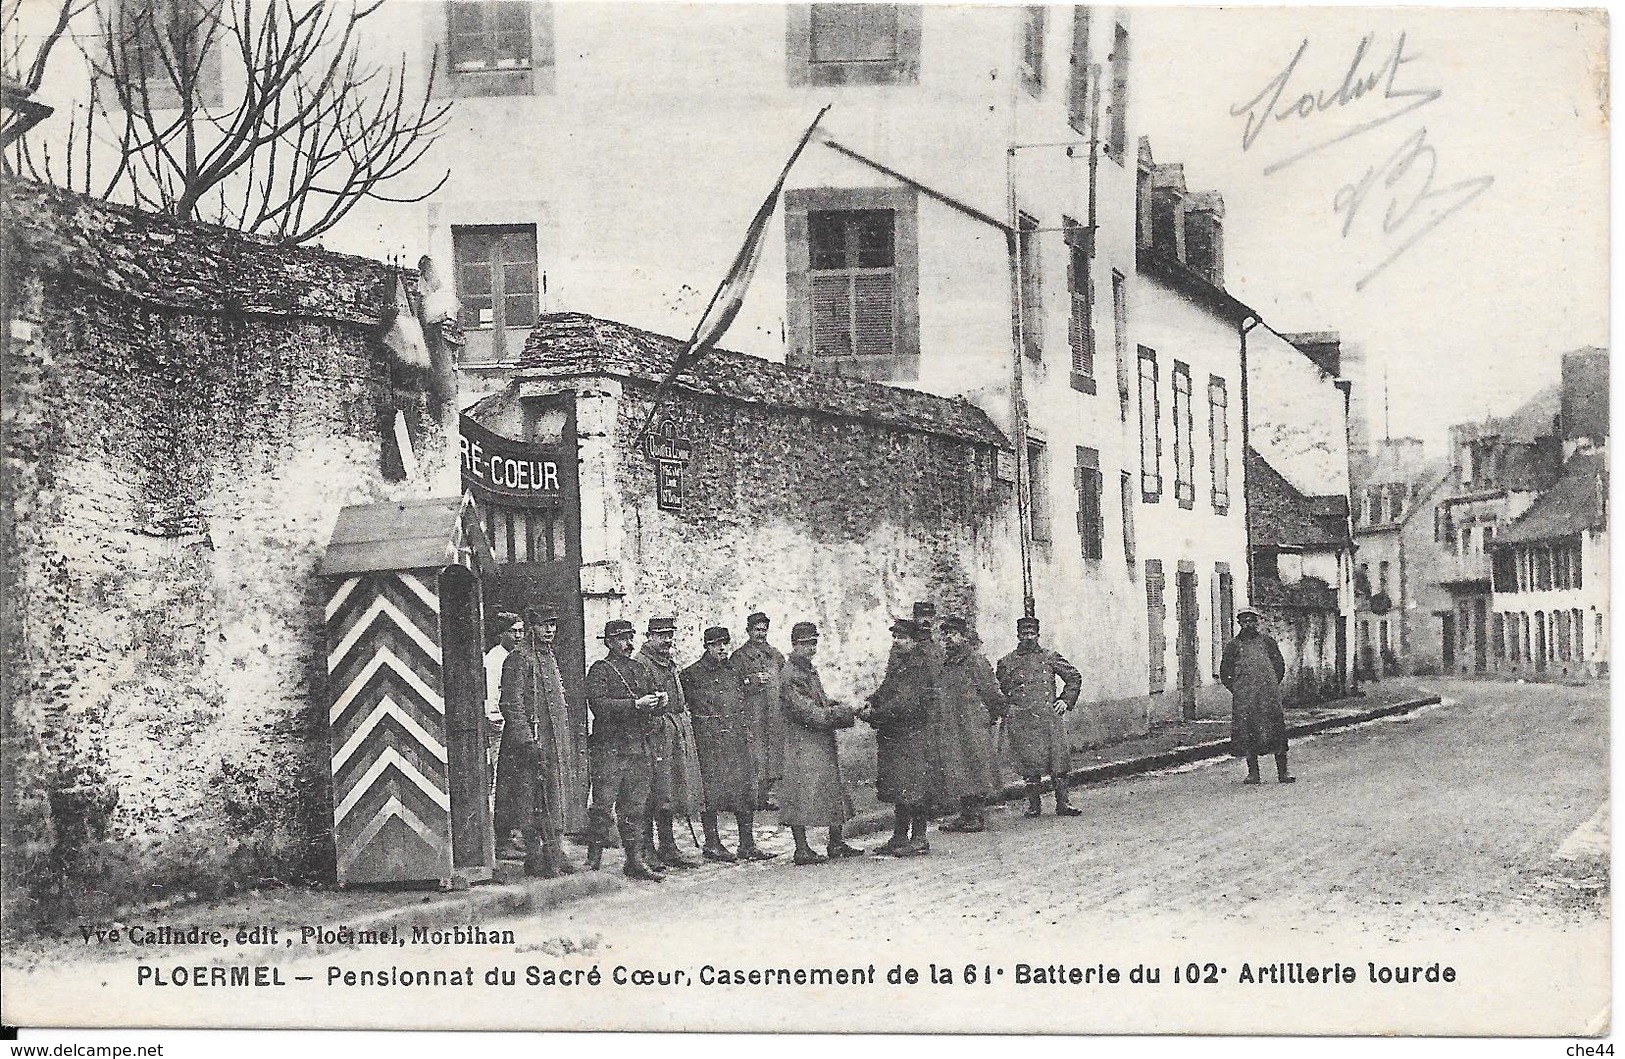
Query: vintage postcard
{"type": "Point", "coordinates": [839, 517]}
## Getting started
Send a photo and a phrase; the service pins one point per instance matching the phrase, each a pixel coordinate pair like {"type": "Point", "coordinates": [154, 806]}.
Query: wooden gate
{"type": "Point", "coordinates": [404, 694]}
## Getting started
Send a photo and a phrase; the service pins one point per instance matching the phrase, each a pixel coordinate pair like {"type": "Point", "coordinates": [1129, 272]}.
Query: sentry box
{"type": "Point", "coordinates": [405, 694]}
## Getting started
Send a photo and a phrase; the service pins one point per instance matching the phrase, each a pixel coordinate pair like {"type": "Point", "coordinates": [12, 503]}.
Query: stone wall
{"type": "Point", "coordinates": [187, 409]}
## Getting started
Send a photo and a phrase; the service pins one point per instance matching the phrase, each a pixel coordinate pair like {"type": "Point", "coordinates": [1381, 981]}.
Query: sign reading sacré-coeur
{"type": "Point", "coordinates": [518, 472]}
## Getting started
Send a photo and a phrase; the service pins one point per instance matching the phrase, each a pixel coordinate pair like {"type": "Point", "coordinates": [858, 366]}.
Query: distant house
{"type": "Point", "coordinates": [1393, 481]}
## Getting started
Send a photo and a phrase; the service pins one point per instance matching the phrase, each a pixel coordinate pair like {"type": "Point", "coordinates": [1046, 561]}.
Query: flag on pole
{"type": "Point", "coordinates": [730, 294]}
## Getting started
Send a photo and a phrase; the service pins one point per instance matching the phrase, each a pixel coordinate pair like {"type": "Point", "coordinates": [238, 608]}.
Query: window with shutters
{"type": "Point", "coordinates": [1032, 285]}
{"type": "Point", "coordinates": [1184, 453]}
{"type": "Point", "coordinates": [1080, 329]}
{"type": "Point", "coordinates": [1117, 108]}
{"type": "Point", "coordinates": [1120, 341]}
{"type": "Point", "coordinates": [1128, 498]}
{"type": "Point", "coordinates": [1150, 429]}
{"type": "Point", "coordinates": [1155, 616]}
{"type": "Point", "coordinates": [1224, 611]}
{"type": "Point", "coordinates": [496, 284]}
{"type": "Point", "coordinates": [1218, 435]}
{"type": "Point", "coordinates": [1038, 510]}
{"type": "Point", "coordinates": [1080, 81]}
{"type": "Point", "coordinates": [1034, 25]}
{"type": "Point", "coordinates": [1090, 485]}
{"type": "Point", "coordinates": [867, 44]}
{"type": "Point", "coordinates": [489, 47]}
{"type": "Point", "coordinates": [853, 288]}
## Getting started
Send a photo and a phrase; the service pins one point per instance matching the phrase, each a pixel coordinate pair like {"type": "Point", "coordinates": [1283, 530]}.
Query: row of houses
{"type": "Point", "coordinates": [1494, 559]}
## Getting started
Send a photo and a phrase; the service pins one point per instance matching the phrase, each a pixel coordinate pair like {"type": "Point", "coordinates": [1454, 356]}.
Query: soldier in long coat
{"type": "Point", "coordinates": [538, 769]}
{"type": "Point", "coordinates": [900, 710]}
{"type": "Point", "coordinates": [759, 664]}
{"type": "Point", "coordinates": [936, 726]}
{"type": "Point", "coordinates": [1038, 738]}
{"type": "Point", "coordinates": [677, 785]}
{"type": "Point", "coordinates": [814, 793]}
{"type": "Point", "coordinates": [622, 697]}
{"type": "Point", "coordinates": [725, 743]}
{"type": "Point", "coordinates": [972, 702]}
{"type": "Point", "coordinates": [1252, 668]}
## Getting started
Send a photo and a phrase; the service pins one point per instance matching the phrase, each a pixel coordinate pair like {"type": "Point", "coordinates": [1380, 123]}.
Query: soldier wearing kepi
{"type": "Point", "coordinates": [677, 786]}
{"type": "Point", "coordinates": [814, 792]}
{"type": "Point", "coordinates": [1252, 668]}
{"type": "Point", "coordinates": [723, 739]}
{"type": "Point", "coordinates": [537, 768]}
{"type": "Point", "coordinates": [936, 729]}
{"type": "Point", "coordinates": [1038, 738]}
{"type": "Point", "coordinates": [759, 665]}
{"type": "Point", "coordinates": [900, 710]}
{"type": "Point", "coordinates": [622, 697]}
{"type": "Point", "coordinates": [971, 703]}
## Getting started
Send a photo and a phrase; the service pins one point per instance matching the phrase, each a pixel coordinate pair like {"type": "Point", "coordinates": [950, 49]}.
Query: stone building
{"type": "Point", "coordinates": [1393, 483]}
{"type": "Point", "coordinates": [186, 411]}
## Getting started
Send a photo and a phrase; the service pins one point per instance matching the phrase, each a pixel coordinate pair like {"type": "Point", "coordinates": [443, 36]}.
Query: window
{"type": "Point", "coordinates": [1080, 84]}
{"type": "Point", "coordinates": [1038, 490]}
{"type": "Point", "coordinates": [1382, 577]}
{"type": "Point", "coordinates": [1032, 286]}
{"type": "Point", "coordinates": [853, 281]}
{"type": "Point", "coordinates": [1373, 504]}
{"type": "Point", "coordinates": [490, 47]}
{"type": "Point", "coordinates": [1080, 332]}
{"type": "Point", "coordinates": [1498, 634]}
{"type": "Point", "coordinates": [1578, 619]}
{"type": "Point", "coordinates": [1125, 483]}
{"type": "Point", "coordinates": [1396, 501]}
{"type": "Point", "coordinates": [1266, 563]}
{"type": "Point", "coordinates": [1091, 524]}
{"type": "Point", "coordinates": [1155, 610]}
{"type": "Point", "coordinates": [171, 52]}
{"type": "Point", "coordinates": [867, 44]}
{"type": "Point", "coordinates": [1362, 580]}
{"type": "Point", "coordinates": [1224, 611]}
{"type": "Point", "coordinates": [1117, 109]}
{"type": "Point", "coordinates": [496, 283]}
{"type": "Point", "coordinates": [1382, 635]}
{"type": "Point", "coordinates": [525, 535]}
{"type": "Point", "coordinates": [1184, 453]}
{"type": "Point", "coordinates": [1034, 25]}
{"type": "Point", "coordinates": [1150, 429]}
{"type": "Point", "coordinates": [1218, 435]}
{"type": "Point", "coordinates": [1120, 337]}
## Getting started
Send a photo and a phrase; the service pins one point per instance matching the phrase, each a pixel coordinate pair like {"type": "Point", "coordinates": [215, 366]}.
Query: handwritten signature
{"type": "Point", "coordinates": [1406, 178]}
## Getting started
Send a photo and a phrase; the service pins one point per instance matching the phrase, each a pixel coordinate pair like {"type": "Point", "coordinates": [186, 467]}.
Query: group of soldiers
{"type": "Point", "coordinates": [739, 727]}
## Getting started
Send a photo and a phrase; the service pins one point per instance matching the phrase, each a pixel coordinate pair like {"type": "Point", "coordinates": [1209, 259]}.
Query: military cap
{"type": "Point", "coordinates": [506, 618]}
{"type": "Point", "coordinates": [717, 634]}
{"type": "Point", "coordinates": [756, 619]}
{"type": "Point", "coordinates": [662, 625]}
{"type": "Point", "coordinates": [1248, 612]}
{"type": "Point", "coordinates": [905, 627]}
{"type": "Point", "coordinates": [804, 632]}
{"type": "Point", "coordinates": [924, 610]}
{"type": "Point", "coordinates": [614, 630]}
{"type": "Point", "coordinates": [1023, 624]}
{"type": "Point", "coordinates": [541, 612]}
{"type": "Point", "coordinates": [959, 625]}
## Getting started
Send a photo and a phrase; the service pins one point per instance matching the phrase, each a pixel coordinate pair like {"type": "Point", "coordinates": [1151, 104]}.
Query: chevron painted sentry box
{"type": "Point", "coordinates": [404, 692]}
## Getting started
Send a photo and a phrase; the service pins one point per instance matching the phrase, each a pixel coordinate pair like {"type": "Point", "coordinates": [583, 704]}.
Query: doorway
{"type": "Point", "coordinates": [1481, 617]}
{"type": "Point", "coordinates": [1185, 616]}
{"type": "Point", "coordinates": [1448, 641]}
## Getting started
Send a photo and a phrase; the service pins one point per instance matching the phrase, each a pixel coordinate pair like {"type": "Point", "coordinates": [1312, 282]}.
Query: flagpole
{"type": "Point", "coordinates": [746, 253]}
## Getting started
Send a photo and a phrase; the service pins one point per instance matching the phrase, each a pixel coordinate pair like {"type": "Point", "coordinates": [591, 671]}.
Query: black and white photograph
{"type": "Point", "coordinates": [828, 518]}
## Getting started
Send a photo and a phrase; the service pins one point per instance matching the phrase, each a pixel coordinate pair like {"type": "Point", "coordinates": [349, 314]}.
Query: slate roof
{"type": "Point", "coordinates": [564, 345]}
{"type": "Point", "coordinates": [403, 535]}
{"type": "Point", "coordinates": [1284, 517]}
{"type": "Point", "coordinates": [1576, 503]}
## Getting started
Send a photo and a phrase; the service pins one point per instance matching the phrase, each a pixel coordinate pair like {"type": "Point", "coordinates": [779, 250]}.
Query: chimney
{"type": "Point", "coordinates": [1168, 210]}
{"type": "Point", "coordinates": [1204, 235]}
{"type": "Point", "coordinates": [1585, 394]}
{"type": "Point", "coordinates": [1324, 348]}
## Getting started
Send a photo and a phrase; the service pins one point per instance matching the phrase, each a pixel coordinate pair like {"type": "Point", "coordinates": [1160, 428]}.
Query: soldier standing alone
{"type": "Point", "coordinates": [1252, 668]}
{"type": "Point", "coordinates": [759, 665]}
{"type": "Point", "coordinates": [1038, 737]}
{"type": "Point", "coordinates": [723, 739]}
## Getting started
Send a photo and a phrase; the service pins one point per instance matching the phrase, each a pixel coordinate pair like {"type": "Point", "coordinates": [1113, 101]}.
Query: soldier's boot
{"type": "Point", "coordinates": [748, 849]}
{"type": "Point", "coordinates": [1252, 770]}
{"type": "Point", "coordinates": [917, 844]}
{"type": "Point", "coordinates": [512, 846]}
{"type": "Point", "coordinates": [595, 852]}
{"type": "Point", "coordinates": [1035, 804]}
{"type": "Point", "coordinates": [899, 834]}
{"type": "Point", "coordinates": [636, 867]}
{"type": "Point", "coordinates": [804, 854]}
{"type": "Point", "coordinates": [1062, 806]}
{"type": "Point", "coordinates": [969, 820]}
{"type": "Point", "coordinates": [667, 854]}
{"type": "Point", "coordinates": [714, 849]}
{"type": "Point", "coordinates": [1281, 774]}
{"type": "Point", "coordinates": [536, 860]}
{"type": "Point", "coordinates": [838, 848]}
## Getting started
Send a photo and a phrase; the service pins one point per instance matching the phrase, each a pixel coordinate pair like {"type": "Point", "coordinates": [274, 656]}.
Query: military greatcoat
{"type": "Point", "coordinates": [677, 784]}
{"type": "Point", "coordinates": [538, 762]}
{"type": "Point", "coordinates": [723, 736]}
{"type": "Point", "coordinates": [621, 766]}
{"type": "Point", "coordinates": [971, 699]}
{"type": "Point", "coordinates": [1039, 743]}
{"type": "Point", "coordinates": [759, 666]}
{"type": "Point", "coordinates": [901, 710]}
{"type": "Point", "coordinates": [1252, 668]}
{"type": "Point", "coordinates": [813, 792]}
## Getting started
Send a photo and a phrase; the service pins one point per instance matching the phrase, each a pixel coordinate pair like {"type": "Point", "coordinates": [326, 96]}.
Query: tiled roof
{"type": "Point", "coordinates": [1577, 502]}
{"type": "Point", "coordinates": [1283, 517]}
{"type": "Point", "coordinates": [564, 345]}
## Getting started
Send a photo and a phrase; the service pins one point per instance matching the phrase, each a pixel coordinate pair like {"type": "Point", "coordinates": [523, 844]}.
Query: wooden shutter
{"type": "Point", "coordinates": [1091, 527]}
{"type": "Point", "coordinates": [1155, 614]}
{"type": "Point", "coordinates": [831, 315]}
{"type": "Point", "coordinates": [873, 314]}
